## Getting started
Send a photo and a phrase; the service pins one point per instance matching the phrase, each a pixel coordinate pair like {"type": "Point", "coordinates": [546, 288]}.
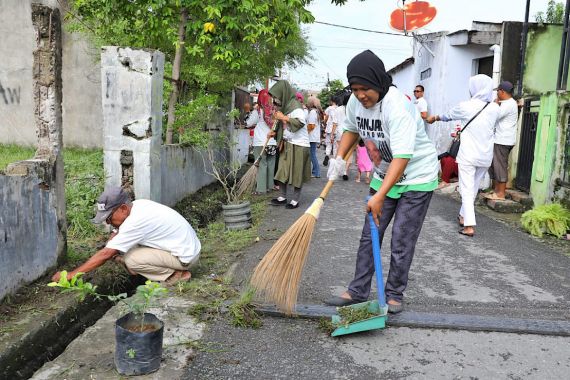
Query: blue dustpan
{"type": "Point", "coordinates": [379, 306]}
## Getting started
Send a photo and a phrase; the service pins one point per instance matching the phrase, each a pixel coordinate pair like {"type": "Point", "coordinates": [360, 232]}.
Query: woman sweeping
{"type": "Point", "coordinates": [476, 149]}
{"type": "Point", "coordinates": [261, 118]}
{"type": "Point", "coordinates": [402, 183]}
{"type": "Point", "coordinates": [294, 164]}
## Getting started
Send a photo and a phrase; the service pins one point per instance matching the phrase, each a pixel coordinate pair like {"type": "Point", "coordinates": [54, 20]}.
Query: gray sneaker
{"type": "Point", "coordinates": [340, 301]}
{"type": "Point", "coordinates": [395, 309]}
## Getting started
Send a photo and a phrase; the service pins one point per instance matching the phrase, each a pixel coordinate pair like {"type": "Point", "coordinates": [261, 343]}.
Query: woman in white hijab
{"type": "Point", "coordinates": [476, 149]}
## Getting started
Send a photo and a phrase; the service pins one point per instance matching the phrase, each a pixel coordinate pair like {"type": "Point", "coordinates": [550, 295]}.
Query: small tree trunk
{"type": "Point", "coordinates": [176, 73]}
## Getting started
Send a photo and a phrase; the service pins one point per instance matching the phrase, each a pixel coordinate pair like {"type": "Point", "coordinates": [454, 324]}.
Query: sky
{"type": "Point", "coordinates": [332, 48]}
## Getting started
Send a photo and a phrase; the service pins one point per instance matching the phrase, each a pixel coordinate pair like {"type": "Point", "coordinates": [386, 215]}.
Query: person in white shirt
{"type": "Point", "coordinates": [476, 149]}
{"type": "Point", "coordinates": [405, 174]}
{"type": "Point", "coordinates": [338, 127]}
{"type": "Point", "coordinates": [261, 119]}
{"type": "Point", "coordinates": [294, 162]}
{"type": "Point", "coordinates": [420, 102]}
{"type": "Point", "coordinates": [152, 240]}
{"type": "Point", "coordinates": [314, 128]}
{"type": "Point", "coordinates": [330, 116]}
{"type": "Point", "coordinates": [505, 139]}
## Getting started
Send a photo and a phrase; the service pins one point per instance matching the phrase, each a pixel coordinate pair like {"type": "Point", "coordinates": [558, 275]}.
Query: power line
{"type": "Point", "coordinates": [362, 30]}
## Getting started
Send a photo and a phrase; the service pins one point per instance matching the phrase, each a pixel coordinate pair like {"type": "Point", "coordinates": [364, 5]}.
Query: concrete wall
{"type": "Point", "coordinates": [32, 193]}
{"type": "Point", "coordinates": [82, 117]}
{"type": "Point", "coordinates": [547, 169]}
{"type": "Point", "coordinates": [541, 60]}
{"type": "Point", "coordinates": [405, 80]}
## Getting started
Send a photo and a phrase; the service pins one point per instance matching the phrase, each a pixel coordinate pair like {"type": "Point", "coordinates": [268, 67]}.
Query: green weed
{"type": "Point", "coordinates": [552, 219]}
{"type": "Point", "coordinates": [242, 312]}
{"type": "Point", "coordinates": [14, 153]}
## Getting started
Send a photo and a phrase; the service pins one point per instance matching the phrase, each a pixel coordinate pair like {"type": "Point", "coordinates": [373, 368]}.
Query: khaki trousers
{"type": "Point", "coordinates": [154, 264]}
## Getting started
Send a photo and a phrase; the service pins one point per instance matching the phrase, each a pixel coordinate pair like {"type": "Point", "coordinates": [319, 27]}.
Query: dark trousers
{"type": "Point", "coordinates": [409, 213]}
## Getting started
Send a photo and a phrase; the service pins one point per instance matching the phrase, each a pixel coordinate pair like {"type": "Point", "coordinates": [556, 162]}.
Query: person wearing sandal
{"type": "Point", "coordinates": [476, 149]}
{"type": "Point", "coordinates": [294, 162]}
{"type": "Point", "coordinates": [151, 239]}
{"type": "Point", "coordinates": [404, 178]}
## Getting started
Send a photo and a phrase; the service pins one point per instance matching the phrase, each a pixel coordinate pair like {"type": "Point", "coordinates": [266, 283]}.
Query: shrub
{"type": "Point", "coordinates": [553, 219]}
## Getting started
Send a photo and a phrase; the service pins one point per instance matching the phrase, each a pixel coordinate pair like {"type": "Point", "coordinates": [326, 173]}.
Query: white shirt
{"type": "Point", "coordinates": [315, 134]}
{"type": "Point", "coordinates": [421, 105]}
{"type": "Point", "coordinates": [154, 225]}
{"type": "Point", "coordinates": [398, 132]}
{"type": "Point", "coordinates": [330, 120]}
{"type": "Point", "coordinates": [478, 138]}
{"type": "Point", "coordinates": [261, 128]}
{"type": "Point", "coordinates": [340, 116]}
{"type": "Point", "coordinates": [301, 137]}
{"type": "Point", "coordinates": [506, 127]}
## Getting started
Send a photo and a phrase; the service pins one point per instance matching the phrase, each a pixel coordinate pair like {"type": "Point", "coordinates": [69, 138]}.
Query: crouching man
{"type": "Point", "coordinates": [152, 240]}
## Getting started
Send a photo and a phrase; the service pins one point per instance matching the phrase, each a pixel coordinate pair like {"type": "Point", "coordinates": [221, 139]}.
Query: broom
{"type": "Point", "coordinates": [248, 180]}
{"type": "Point", "coordinates": [279, 272]}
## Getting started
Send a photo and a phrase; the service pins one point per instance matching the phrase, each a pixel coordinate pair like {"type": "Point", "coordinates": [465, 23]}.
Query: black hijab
{"type": "Point", "coordinates": [368, 70]}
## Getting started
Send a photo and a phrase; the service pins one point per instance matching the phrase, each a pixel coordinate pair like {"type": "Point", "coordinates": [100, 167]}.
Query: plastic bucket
{"type": "Point", "coordinates": [138, 353]}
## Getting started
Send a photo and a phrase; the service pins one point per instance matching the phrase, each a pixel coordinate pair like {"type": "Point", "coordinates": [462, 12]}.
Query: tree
{"type": "Point", "coordinates": [225, 41]}
{"type": "Point", "coordinates": [554, 13]}
{"type": "Point", "coordinates": [335, 86]}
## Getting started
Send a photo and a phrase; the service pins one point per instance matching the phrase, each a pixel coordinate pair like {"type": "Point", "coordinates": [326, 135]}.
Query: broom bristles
{"type": "Point", "coordinates": [279, 272]}
{"type": "Point", "coordinates": [247, 181]}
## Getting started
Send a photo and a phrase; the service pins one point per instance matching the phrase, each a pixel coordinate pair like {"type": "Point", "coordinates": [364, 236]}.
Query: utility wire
{"type": "Point", "coordinates": [362, 30]}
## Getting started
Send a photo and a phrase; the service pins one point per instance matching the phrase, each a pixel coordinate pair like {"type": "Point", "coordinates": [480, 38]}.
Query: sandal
{"type": "Point", "coordinates": [493, 197]}
{"type": "Point", "coordinates": [462, 232]}
{"type": "Point", "coordinates": [459, 220]}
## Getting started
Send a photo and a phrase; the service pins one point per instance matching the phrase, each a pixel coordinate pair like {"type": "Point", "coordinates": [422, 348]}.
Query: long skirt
{"type": "Point", "coordinates": [294, 165]}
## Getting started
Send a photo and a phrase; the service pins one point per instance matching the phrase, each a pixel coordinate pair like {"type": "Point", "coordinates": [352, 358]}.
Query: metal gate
{"type": "Point", "coordinates": [526, 144]}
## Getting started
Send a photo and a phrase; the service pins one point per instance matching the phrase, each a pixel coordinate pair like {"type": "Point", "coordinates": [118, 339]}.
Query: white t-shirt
{"type": "Point", "coordinates": [506, 127]}
{"type": "Point", "coordinates": [154, 225]}
{"type": "Point", "coordinates": [330, 120]}
{"type": "Point", "coordinates": [315, 134]}
{"type": "Point", "coordinates": [478, 138]}
{"type": "Point", "coordinates": [301, 137]}
{"type": "Point", "coordinates": [261, 129]}
{"type": "Point", "coordinates": [421, 105]}
{"type": "Point", "coordinates": [340, 116]}
{"type": "Point", "coordinates": [398, 132]}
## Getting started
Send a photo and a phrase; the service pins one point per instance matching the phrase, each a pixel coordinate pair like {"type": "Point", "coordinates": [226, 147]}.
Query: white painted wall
{"type": "Point", "coordinates": [82, 115]}
{"type": "Point", "coordinates": [405, 80]}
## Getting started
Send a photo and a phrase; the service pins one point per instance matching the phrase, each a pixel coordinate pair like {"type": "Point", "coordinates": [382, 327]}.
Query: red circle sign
{"type": "Point", "coordinates": [418, 15]}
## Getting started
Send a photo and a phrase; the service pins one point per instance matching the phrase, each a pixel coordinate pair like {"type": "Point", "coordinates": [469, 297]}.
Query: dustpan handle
{"type": "Point", "coordinates": [374, 235]}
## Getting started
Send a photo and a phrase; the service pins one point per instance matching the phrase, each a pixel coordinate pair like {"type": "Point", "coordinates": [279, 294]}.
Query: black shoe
{"type": "Point", "coordinates": [290, 205]}
{"type": "Point", "coordinates": [340, 301]}
{"type": "Point", "coordinates": [345, 177]}
{"type": "Point", "coordinates": [277, 202]}
{"type": "Point", "coordinates": [326, 161]}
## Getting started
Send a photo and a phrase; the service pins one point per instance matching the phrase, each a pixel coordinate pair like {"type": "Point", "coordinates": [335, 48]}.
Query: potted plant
{"type": "Point", "coordinates": [138, 334]}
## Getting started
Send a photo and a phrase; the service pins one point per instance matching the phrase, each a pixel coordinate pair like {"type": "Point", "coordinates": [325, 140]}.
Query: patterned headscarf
{"type": "Point", "coordinates": [264, 101]}
{"type": "Point", "coordinates": [283, 91]}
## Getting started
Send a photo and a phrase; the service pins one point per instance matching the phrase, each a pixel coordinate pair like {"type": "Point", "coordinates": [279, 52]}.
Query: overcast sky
{"type": "Point", "coordinates": [332, 48]}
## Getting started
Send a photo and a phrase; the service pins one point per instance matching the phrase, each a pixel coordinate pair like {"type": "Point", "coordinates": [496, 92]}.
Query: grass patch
{"type": "Point", "coordinates": [13, 153]}
{"type": "Point", "coordinates": [242, 312]}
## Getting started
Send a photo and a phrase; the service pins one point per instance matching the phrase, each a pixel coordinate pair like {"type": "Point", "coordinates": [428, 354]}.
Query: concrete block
{"type": "Point", "coordinates": [507, 206]}
{"type": "Point", "coordinates": [520, 197]}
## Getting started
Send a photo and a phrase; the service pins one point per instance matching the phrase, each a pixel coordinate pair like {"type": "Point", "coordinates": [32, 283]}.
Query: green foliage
{"type": "Point", "coordinates": [131, 353]}
{"type": "Point", "coordinates": [14, 153]}
{"type": "Point", "coordinates": [242, 312]}
{"type": "Point", "coordinates": [553, 219]}
{"type": "Point", "coordinates": [335, 86]}
{"type": "Point", "coordinates": [227, 41]}
{"type": "Point", "coordinates": [77, 285]}
{"type": "Point", "coordinates": [192, 119]}
{"type": "Point", "coordinates": [84, 182]}
{"type": "Point", "coordinates": [145, 297]}
{"type": "Point", "coordinates": [554, 13]}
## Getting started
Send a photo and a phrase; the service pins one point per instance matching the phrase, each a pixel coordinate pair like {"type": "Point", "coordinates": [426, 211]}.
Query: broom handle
{"type": "Point", "coordinates": [329, 184]}
{"type": "Point", "coordinates": [265, 145]}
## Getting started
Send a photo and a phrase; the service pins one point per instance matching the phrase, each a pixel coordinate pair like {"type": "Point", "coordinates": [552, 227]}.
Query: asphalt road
{"type": "Point", "coordinates": [501, 272]}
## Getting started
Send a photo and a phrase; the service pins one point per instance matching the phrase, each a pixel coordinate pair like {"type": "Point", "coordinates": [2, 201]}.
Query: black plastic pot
{"type": "Point", "coordinates": [138, 353]}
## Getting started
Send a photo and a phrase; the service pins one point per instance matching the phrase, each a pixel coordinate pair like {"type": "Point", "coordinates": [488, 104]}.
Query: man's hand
{"type": "Point", "coordinates": [280, 116]}
{"type": "Point", "coordinates": [57, 275]}
{"type": "Point", "coordinates": [374, 205]}
{"type": "Point", "coordinates": [336, 168]}
{"type": "Point", "coordinates": [431, 119]}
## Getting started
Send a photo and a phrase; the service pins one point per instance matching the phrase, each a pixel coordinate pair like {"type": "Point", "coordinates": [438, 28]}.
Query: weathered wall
{"type": "Point", "coordinates": [81, 83]}
{"type": "Point", "coordinates": [541, 60]}
{"type": "Point", "coordinates": [131, 92]}
{"type": "Point", "coordinates": [547, 169]}
{"type": "Point", "coordinates": [32, 193]}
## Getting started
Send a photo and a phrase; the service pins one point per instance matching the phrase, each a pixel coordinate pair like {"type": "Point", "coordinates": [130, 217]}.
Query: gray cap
{"type": "Point", "coordinates": [505, 86]}
{"type": "Point", "coordinates": [111, 198]}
